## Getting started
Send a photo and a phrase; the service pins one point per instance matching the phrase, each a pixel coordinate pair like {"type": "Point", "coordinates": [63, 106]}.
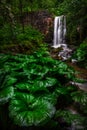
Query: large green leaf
{"type": "Point", "coordinates": [11, 81]}
{"type": "Point", "coordinates": [50, 81]}
{"type": "Point", "coordinates": [50, 97]}
{"type": "Point", "coordinates": [26, 110]}
{"type": "Point", "coordinates": [37, 85]}
{"type": "Point", "coordinates": [38, 70]}
{"type": "Point", "coordinates": [23, 86]}
{"type": "Point", "coordinates": [6, 94]}
{"type": "Point", "coordinates": [7, 80]}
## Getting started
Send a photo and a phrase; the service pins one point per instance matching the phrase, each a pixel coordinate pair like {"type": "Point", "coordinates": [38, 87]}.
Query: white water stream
{"type": "Point", "coordinates": [59, 31]}
{"type": "Point", "coordinates": [59, 37]}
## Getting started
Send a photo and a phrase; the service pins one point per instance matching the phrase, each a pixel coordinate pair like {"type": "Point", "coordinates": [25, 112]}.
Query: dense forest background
{"type": "Point", "coordinates": [26, 24]}
{"type": "Point", "coordinates": [13, 14]}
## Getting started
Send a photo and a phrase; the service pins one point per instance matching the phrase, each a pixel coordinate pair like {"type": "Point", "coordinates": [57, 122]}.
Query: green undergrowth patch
{"type": "Point", "coordinates": [22, 41]}
{"type": "Point", "coordinates": [81, 54]}
{"type": "Point", "coordinates": [35, 87]}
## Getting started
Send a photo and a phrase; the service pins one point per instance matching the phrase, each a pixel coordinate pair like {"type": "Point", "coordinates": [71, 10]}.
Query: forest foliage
{"type": "Point", "coordinates": [12, 12]}
{"type": "Point", "coordinates": [35, 85]}
{"type": "Point", "coordinates": [35, 93]}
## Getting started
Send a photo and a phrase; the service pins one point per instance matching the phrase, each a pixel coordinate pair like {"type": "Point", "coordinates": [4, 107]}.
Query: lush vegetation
{"type": "Point", "coordinates": [14, 34]}
{"type": "Point", "coordinates": [35, 92]}
{"type": "Point", "coordinates": [81, 54]}
{"type": "Point", "coordinates": [12, 17]}
{"type": "Point", "coordinates": [23, 42]}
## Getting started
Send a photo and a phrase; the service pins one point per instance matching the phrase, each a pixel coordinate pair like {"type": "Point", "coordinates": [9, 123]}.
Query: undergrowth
{"type": "Point", "coordinates": [81, 54]}
{"type": "Point", "coordinates": [37, 90]}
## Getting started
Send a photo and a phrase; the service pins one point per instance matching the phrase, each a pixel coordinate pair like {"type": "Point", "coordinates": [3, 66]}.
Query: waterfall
{"type": "Point", "coordinates": [59, 31]}
{"type": "Point", "coordinates": [59, 37]}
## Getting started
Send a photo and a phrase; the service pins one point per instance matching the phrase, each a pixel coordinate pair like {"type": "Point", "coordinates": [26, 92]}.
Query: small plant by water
{"type": "Point", "coordinates": [81, 53]}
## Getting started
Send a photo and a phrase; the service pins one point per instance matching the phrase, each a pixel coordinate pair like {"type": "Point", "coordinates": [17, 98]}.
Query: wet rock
{"type": "Point", "coordinates": [74, 61]}
{"type": "Point", "coordinates": [82, 86]}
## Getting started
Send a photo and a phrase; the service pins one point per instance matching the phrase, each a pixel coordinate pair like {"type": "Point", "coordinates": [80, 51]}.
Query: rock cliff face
{"type": "Point", "coordinates": [41, 20]}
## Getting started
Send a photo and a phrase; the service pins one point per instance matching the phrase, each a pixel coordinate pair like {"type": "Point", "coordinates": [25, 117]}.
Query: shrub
{"type": "Point", "coordinates": [81, 54]}
{"type": "Point", "coordinates": [30, 34]}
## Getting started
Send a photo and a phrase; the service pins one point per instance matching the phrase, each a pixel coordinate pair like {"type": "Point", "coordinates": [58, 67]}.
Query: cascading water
{"type": "Point", "coordinates": [59, 37]}
{"type": "Point", "coordinates": [59, 31]}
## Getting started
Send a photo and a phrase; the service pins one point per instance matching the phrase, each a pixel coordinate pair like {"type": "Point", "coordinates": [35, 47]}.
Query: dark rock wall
{"type": "Point", "coordinates": [41, 20]}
